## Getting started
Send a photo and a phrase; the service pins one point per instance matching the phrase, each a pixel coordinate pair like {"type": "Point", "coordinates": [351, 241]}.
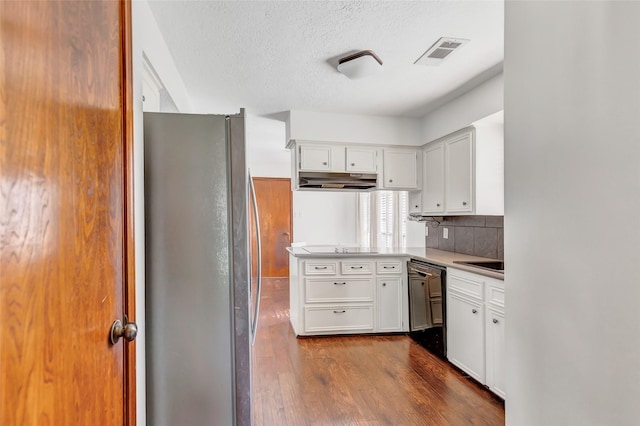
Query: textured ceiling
{"type": "Point", "coordinates": [273, 56]}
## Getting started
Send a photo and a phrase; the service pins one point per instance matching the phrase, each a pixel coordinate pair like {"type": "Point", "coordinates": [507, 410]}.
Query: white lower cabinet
{"type": "Point", "coordinates": [389, 297]}
{"type": "Point", "coordinates": [465, 335]}
{"type": "Point", "coordinates": [475, 327]}
{"type": "Point", "coordinates": [495, 337]}
{"type": "Point", "coordinates": [345, 295]}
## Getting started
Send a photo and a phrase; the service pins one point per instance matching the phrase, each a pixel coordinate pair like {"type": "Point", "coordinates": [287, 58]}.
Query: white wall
{"type": "Point", "coordinates": [151, 41]}
{"type": "Point", "coordinates": [572, 217]}
{"type": "Point", "coordinates": [266, 152]}
{"type": "Point", "coordinates": [330, 127]}
{"type": "Point", "coordinates": [324, 217]}
{"type": "Point", "coordinates": [483, 100]}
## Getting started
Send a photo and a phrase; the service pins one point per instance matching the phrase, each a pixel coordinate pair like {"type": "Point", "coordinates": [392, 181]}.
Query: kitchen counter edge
{"type": "Point", "coordinates": [438, 257]}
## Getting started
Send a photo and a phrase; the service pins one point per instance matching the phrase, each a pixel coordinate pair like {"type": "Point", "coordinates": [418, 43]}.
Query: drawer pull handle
{"type": "Point", "coordinates": [356, 267]}
{"type": "Point", "coordinates": [389, 267]}
{"type": "Point", "coordinates": [321, 267]}
{"type": "Point", "coordinates": [495, 321]}
{"type": "Point", "coordinates": [339, 312]}
{"type": "Point", "coordinates": [339, 283]}
{"type": "Point", "coordinates": [474, 311]}
{"type": "Point", "coordinates": [384, 284]}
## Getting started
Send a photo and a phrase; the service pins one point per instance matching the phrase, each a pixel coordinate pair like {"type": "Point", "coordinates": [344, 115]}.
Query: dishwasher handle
{"type": "Point", "coordinates": [420, 272]}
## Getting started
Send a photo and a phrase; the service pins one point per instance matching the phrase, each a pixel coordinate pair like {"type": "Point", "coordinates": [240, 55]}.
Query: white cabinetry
{"type": "Point", "coordinates": [464, 172]}
{"type": "Point", "coordinates": [459, 178]}
{"type": "Point", "coordinates": [496, 378]}
{"type": "Point", "coordinates": [389, 304]}
{"type": "Point", "coordinates": [316, 158]}
{"type": "Point", "coordinates": [401, 169]}
{"type": "Point", "coordinates": [433, 179]}
{"type": "Point", "coordinates": [341, 295]}
{"type": "Point", "coordinates": [391, 295]}
{"type": "Point", "coordinates": [325, 157]}
{"type": "Point", "coordinates": [475, 327]}
{"type": "Point", "coordinates": [465, 324]}
{"type": "Point", "coordinates": [398, 167]}
{"type": "Point", "coordinates": [361, 159]}
{"type": "Point", "coordinates": [415, 202]}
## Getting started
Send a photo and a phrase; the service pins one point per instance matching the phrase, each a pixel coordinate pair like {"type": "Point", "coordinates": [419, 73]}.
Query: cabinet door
{"type": "Point", "coordinates": [362, 160]}
{"type": "Point", "coordinates": [495, 352]}
{"type": "Point", "coordinates": [415, 202]}
{"type": "Point", "coordinates": [465, 335]}
{"type": "Point", "coordinates": [400, 169]}
{"type": "Point", "coordinates": [389, 304]}
{"type": "Point", "coordinates": [459, 173]}
{"type": "Point", "coordinates": [315, 157]}
{"type": "Point", "coordinates": [433, 179]}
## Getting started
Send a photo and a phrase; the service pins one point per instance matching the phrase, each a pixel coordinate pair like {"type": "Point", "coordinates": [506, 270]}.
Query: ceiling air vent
{"type": "Point", "coordinates": [441, 49]}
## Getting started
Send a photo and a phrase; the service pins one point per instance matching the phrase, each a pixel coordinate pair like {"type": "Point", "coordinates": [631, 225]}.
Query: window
{"type": "Point", "coordinates": [382, 218]}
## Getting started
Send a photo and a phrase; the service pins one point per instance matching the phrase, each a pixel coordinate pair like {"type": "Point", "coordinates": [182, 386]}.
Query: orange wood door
{"type": "Point", "coordinates": [273, 197]}
{"type": "Point", "coordinates": [65, 185]}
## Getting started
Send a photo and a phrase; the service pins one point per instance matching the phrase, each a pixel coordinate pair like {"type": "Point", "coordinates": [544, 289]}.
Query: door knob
{"type": "Point", "coordinates": [128, 330]}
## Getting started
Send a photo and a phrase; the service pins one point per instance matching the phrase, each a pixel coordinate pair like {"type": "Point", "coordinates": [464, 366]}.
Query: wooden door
{"type": "Point", "coordinates": [65, 228]}
{"type": "Point", "coordinates": [273, 197]}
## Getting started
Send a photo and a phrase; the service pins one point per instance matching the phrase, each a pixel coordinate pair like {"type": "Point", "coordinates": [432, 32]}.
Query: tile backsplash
{"type": "Point", "coordinates": [475, 235]}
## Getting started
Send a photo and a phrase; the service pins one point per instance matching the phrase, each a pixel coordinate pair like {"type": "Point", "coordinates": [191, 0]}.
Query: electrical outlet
{"type": "Point", "coordinates": [426, 231]}
{"type": "Point", "coordinates": [445, 233]}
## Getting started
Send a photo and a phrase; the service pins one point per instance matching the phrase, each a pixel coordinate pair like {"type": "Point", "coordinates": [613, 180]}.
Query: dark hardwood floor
{"type": "Point", "coordinates": [356, 380]}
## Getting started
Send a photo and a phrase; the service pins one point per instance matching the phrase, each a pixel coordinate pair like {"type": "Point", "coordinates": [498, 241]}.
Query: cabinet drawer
{"type": "Point", "coordinates": [389, 267]}
{"type": "Point", "coordinates": [465, 284]}
{"type": "Point", "coordinates": [322, 267]}
{"type": "Point", "coordinates": [357, 267]}
{"type": "Point", "coordinates": [338, 318]}
{"type": "Point", "coordinates": [338, 290]}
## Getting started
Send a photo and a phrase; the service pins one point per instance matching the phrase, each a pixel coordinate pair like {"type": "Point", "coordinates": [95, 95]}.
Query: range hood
{"type": "Point", "coordinates": [337, 181]}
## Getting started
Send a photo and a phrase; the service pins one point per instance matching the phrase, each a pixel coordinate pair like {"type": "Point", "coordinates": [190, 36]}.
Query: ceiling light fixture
{"type": "Point", "coordinates": [360, 65]}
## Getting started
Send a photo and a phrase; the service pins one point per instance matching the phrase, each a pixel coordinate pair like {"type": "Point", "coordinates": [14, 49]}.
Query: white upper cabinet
{"type": "Point", "coordinates": [391, 167]}
{"type": "Point", "coordinates": [362, 159]}
{"type": "Point", "coordinates": [329, 157]}
{"type": "Point", "coordinates": [322, 158]}
{"type": "Point", "coordinates": [459, 173]}
{"type": "Point", "coordinates": [433, 179]}
{"type": "Point", "coordinates": [401, 169]}
{"type": "Point", "coordinates": [464, 172]}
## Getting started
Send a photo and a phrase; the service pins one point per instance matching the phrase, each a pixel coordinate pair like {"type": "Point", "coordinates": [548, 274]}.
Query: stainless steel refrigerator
{"type": "Point", "coordinates": [201, 302]}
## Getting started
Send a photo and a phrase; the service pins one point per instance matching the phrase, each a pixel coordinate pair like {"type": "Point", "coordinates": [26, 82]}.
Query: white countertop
{"type": "Point", "coordinates": [438, 257]}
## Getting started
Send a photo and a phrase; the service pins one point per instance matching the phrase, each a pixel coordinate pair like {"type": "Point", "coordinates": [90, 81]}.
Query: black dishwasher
{"type": "Point", "coordinates": [427, 310]}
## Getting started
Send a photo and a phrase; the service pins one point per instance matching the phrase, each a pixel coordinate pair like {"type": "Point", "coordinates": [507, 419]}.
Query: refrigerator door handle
{"type": "Point", "coordinates": [256, 312]}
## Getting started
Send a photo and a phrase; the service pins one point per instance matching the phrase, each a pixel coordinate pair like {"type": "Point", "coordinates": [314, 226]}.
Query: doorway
{"type": "Point", "coordinates": [274, 200]}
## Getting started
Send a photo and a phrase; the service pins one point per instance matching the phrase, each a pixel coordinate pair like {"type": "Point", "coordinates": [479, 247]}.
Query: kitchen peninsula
{"type": "Point", "coordinates": [350, 290]}
{"type": "Point", "coordinates": [345, 290]}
